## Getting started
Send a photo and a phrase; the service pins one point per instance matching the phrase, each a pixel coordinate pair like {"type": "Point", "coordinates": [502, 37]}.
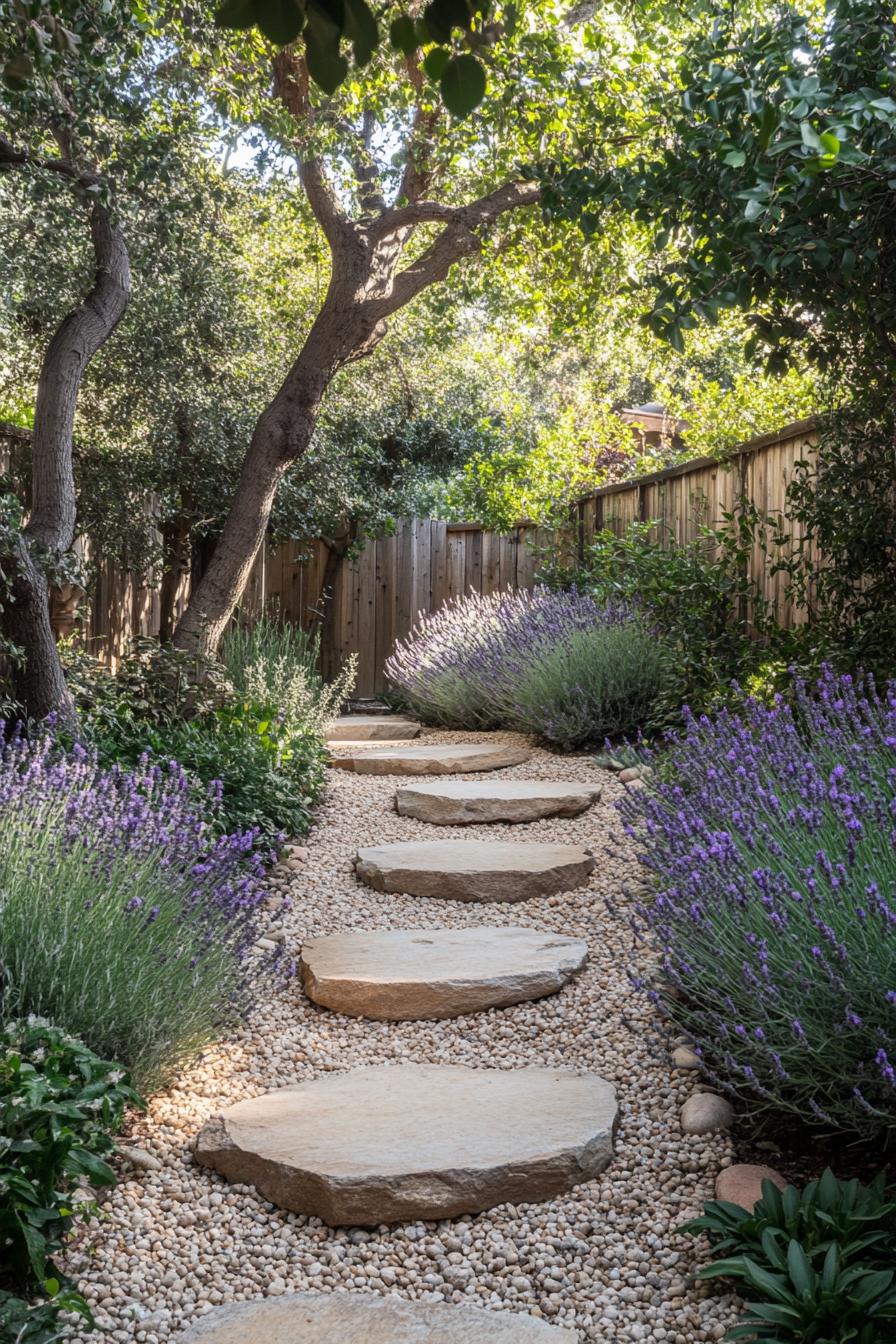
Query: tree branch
{"type": "Point", "coordinates": [364, 166]}
{"type": "Point", "coordinates": [417, 176]}
{"type": "Point", "coordinates": [291, 86]}
{"type": "Point", "coordinates": [324, 206]}
{"type": "Point", "coordinates": [11, 158]}
{"type": "Point", "coordinates": [459, 238]}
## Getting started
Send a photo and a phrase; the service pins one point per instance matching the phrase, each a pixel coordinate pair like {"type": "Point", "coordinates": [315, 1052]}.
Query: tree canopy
{"type": "Point", "coordinates": [768, 170]}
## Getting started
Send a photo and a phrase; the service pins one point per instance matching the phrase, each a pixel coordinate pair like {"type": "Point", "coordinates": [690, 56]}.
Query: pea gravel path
{"type": "Point", "coordinates": [604, 1260]}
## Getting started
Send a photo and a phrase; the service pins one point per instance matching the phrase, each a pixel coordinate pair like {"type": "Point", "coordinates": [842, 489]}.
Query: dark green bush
{"type": "Point", "coordinates": [821, 1262]}
{"type": "Point", "coordinates": [60, 1106]}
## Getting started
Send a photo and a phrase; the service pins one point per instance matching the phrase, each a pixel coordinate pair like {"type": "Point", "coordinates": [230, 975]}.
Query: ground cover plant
{"type": "Point", "coordinates": [820, 1261]}
{"type": "Point", "coordinates": [60, 1105]}
{"type": "Point", "coordinates": [124, 918]}
{"type": "Point", "coordinates": [769, 836]}
{"type": "Point", "coordinates": [557, 664]}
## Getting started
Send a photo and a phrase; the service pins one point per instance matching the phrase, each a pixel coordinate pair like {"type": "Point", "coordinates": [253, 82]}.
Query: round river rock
{"type": "Point", "coordinates": [408, 974]}
{"type": "Point", "coordinates": [432, 759]}
{"type": "Point", "coordinates": [396, 1143]}
{"type": "Point", "coordinates": [362, 1318]}
{"type": "Point", "coordinates": [371, 728]}
{"type": "Point", "coordinates": [474, 870]}
{"type": "Point", "coordinates": [464, 802]}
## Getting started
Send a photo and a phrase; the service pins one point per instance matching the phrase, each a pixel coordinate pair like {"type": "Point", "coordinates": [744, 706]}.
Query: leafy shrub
{"type": "Point", "coordinates": [270, 773]}
{"type": "Point", "coordinates": [769, 834]}
{"type": "Point", "coordinates": [59, 1107]}
{"type": "Point", "coordinates": [696, 596]}
{"type": "Point", "coordinates": [252, 724]}
{"type": "Point", "coordinates": [822, 1261]}
{"type": "Point", "coordinates": [556, 664]}
{"type": "Point", "coordinates": [122, 916]}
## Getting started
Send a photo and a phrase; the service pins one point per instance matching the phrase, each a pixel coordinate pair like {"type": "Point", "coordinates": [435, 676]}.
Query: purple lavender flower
{"type": "Point", "coordinates": [787, 928]}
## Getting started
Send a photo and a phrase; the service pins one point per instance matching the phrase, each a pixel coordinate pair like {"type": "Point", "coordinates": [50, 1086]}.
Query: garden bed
{"type": "Point", "coordinates": [605, 1259]}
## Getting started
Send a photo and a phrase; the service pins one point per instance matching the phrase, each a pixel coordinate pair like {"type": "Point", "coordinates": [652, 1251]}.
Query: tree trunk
{"type": "Point", "coordinates": [38, 681]}
{"type": "Point", "coordinates": [283, 432]}
{"type": "Point", "coordinates": [177, 548]}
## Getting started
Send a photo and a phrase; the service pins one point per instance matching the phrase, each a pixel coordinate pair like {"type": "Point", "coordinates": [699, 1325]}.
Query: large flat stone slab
{"type": "Point", "coordinates": [362, 1318]}
{"type": "Point", "coordinates": [371, 728]}
{"type": "Point", "coordinates": [437, 759]}
{"type": "Point", "coordinates": [463, 802]}
{"type": "Point", "coordinates": [474, 870]}
{"type": "Point", "coordinates": [394, 1143]}
{"type": "Point", "coordinates": [396, 975]}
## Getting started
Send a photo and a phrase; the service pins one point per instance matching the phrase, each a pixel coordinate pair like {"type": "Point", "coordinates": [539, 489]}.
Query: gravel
{"type": "Point", "coordinates": [604, 1260]}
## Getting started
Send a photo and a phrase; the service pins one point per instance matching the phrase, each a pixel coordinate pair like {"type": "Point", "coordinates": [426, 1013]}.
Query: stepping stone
{"type": "Point", "coordinates": [397, 1143]}
{"type": "Point", "coordinates": [397, 975]}
{"type": "Point", "coordinates": [474, 870]}
{"type": "Point", "coordinates": [462, 802]}
{"type": "Point", "coordinates": [371, 728]}
{"type": "Point", "coordinates": [363, 1318]}
{"type": "Point", "coordinates": [433, 760]}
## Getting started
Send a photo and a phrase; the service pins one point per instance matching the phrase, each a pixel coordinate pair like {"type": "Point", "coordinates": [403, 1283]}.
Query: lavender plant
{"type": "Point", "coordinates": [124, 918]}
{"type": "Point", "coordinates": [771, 838]}
{"type": "Point", "coordinates": [557, 664]}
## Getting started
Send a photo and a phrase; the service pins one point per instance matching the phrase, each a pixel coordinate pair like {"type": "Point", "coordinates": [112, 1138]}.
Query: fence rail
{"type": "Point", "coordinates": [377, 595]}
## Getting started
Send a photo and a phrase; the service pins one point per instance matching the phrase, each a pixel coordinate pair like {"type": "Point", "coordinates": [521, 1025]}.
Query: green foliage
{"type": "Point", "coordinates": [841, 528]}
{"type": "Point", "coordinates": [271, 772]}
{"type": "Point", "coordinates": [60, 1105]}
{"type": "Point", "coordinates": [460, 76]}
{"type": "Point", "coordinates": [770, 173]}
{"type": "Point", "coordinates": [257, 736]}
{"type": "Point", "coordinates": [820, 1261]}
{"type": "Point", "coordinates": [696, 596]}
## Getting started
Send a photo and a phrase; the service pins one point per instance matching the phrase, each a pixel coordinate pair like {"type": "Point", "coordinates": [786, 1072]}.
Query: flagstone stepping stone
{"type": "Point", "coordinates": [435, 759]}
{"type": "Point", "coordinates": [396, 1143]}
{"type": "Point", "coordinates": [362, 1318]}
{"type": "Point", "coordinates": [474, 870]}
{"type": "Point", "coordinates": [406, 974]}
{"type": "Point", "coordinates": [465, 801]}
{"type": "Point", "coordinates": [371, 727]}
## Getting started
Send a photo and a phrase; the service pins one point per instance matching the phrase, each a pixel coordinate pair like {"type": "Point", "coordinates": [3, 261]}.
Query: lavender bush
{"type": "Point", "coordinates": [557, 664]}
{"type": "Point", "coordinates": [123, 918]}
{"type": "Point", "coordinates": [772, 843]}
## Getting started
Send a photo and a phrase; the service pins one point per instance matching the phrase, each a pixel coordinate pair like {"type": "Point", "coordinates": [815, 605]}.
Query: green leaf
{"type": "Point", "coordinates": [326, 65]}
{"type": "Point", "coordinates": [403, 35]}
{"type": "Point", "coordinates": [280, 20]}
{"type": "Point", "coordinates": [441, 16]}
{"type": "Point", "coordinates": [463, 85]}
{"type": "Point", "coordinates": [802, 1275]}
{"type": "Point", "coordinates": [435, 61]}
{"type": "Point", "coordinates": [236, 14]}
{"type": "Point", "coordinates": [735, 158]}
{"type": "Point", "coordinates": [361, 30]}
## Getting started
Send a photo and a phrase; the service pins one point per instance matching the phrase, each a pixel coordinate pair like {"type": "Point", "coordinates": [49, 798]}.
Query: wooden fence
{"type": "Point", "coordinates": [376, 596]}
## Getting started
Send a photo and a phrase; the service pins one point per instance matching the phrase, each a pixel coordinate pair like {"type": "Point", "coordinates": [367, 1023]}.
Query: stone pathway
{"type": "Point", "coordinates": [429, 758]}
{"type": "Point", "coordinates": [397, 975]}
{"type": "Point", "coordinates": [474, 870]}
{"type": "Point", "coordinates": [354, 728]}
{"type": "Point", "coordinates": [467, 802]}
{"type": "Point", "coordinates": [349, 1318]}
{"type": "Point", "coordinates": [594, 1253]}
